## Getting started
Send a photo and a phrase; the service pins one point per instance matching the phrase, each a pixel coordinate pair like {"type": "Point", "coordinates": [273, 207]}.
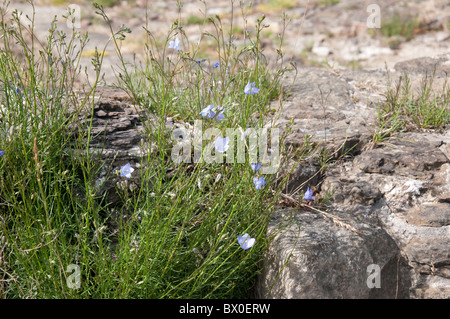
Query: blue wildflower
{"type": "Point", "coordinates": [17, 90]}
{"type": "Point", "coordinates": [200, 61]}
{"type": "Point", "coordinates": [221, 144]}
{"type": "Point", "coordinates": [208, 111]}
{"type": "Point", "coordinates": [220, 116]}
{"type": "Point", "coordinates": [216, 65]}
{"type": "Point", "coordinates": [259, 182]}
{"type": "Point", "coordinates": [2, 153]}
{"type": "Point", "coordinates": [126, 170]}
{"type": "Point", "coordinates": [246, 241]}
{"type": "Point", "coordinates": [309, 195]}
{"type": "Point", "coordinates": [250, 88]}
{"type": "Point", "coordinates": [175, 44]}
{"type": "Point", "coordinates": [255, 166]}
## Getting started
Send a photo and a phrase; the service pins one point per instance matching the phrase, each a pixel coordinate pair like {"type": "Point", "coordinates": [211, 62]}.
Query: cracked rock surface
{"type": "Point", "coordinates": [396, 196]}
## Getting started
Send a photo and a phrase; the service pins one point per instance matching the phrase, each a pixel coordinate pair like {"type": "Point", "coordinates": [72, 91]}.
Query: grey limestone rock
{"type": "Point", "coordinates": [396, 195]}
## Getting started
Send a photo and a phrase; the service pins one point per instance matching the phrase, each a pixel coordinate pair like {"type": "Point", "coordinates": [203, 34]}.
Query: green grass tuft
{"type": "Point", "coordinates": [424, 109]}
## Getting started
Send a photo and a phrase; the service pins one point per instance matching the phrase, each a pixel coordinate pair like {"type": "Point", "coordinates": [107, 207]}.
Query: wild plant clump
{"type": "Point", "coordinates": [200, 233]}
